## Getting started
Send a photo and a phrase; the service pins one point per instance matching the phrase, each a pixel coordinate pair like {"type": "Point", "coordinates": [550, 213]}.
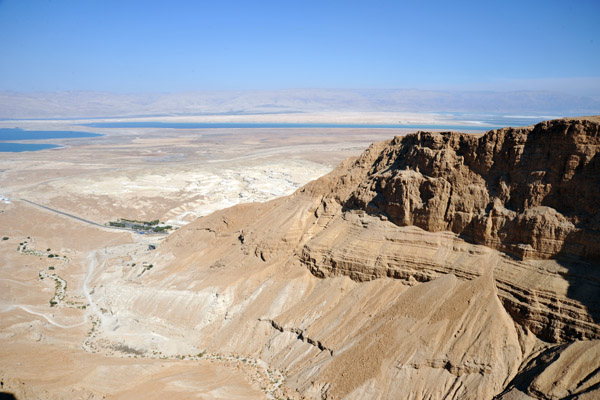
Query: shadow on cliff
{"type": "Point", "coordinates": [7, 396]}
{"type": "Point", "coordinates": [553, 185]}
{"type": "Point", "coordinates": [543, 194]}
{"type": "Point", "coordinates": [575, 194]}
{"type": "Point", "coordinates": [584, 283]}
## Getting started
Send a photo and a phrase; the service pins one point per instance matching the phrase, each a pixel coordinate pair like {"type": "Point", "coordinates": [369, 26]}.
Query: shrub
{"type": "Point", "coordinates": [51, 268]}
{"type": "Point", "coordinates": [5, 238]}
{"type": "Point", "coordinates": [50, 255]}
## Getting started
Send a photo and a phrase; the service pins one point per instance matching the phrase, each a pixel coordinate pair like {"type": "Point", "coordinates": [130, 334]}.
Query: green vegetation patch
{"type": "Point", "coordinates": [143, 226]}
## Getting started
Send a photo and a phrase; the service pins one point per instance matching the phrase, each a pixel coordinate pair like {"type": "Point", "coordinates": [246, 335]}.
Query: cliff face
{"type": "Point", "coordinates": [395, 275]}
{"type": "Point", "coordinates": [532, 192]}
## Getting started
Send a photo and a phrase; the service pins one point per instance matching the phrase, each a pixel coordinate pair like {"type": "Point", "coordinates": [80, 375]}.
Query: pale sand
{"type": "Point", "coordinates": [42, 348]}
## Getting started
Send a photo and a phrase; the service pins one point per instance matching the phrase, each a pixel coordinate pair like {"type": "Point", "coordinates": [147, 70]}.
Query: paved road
{"type": "Point", "coordinates": [87, 221]}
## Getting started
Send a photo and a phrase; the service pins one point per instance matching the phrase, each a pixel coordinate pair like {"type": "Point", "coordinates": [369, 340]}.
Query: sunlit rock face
{"type": "Point", "coordinates": [529, 191]}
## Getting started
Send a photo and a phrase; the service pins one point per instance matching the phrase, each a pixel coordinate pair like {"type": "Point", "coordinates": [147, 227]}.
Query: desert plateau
{"type": "Point", "coordinates": [435, 265]}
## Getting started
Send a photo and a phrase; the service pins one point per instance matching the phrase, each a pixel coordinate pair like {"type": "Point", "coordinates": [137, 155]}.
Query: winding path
{"type": "Point", "coordinates": [45, 316]}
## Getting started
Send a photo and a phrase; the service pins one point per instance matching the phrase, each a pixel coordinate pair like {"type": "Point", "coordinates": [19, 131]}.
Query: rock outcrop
{"type": "Point", "coordinates": [517, 190]}
{"type": "Point", "coordinates": [533, 192]}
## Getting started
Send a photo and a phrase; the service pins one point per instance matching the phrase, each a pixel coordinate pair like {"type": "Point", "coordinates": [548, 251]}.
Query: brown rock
{"type": "Point", "coordinates": [532, 192]}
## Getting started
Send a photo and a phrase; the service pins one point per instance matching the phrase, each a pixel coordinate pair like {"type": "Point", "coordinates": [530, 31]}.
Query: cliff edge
{"type": "Point", "coordinates": [532, 192]}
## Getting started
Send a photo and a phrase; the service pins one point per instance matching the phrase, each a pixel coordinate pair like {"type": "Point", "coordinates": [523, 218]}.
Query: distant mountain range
{"type": "Point", "coordinates": [86, 104]}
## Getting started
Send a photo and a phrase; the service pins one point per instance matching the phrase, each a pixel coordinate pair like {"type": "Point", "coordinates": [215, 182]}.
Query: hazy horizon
{"type": "Point", "coordinates": [93, 104]}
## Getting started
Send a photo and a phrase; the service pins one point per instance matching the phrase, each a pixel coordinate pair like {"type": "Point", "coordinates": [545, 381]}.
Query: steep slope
{"type": "Point", "coordinates": [436, 265]}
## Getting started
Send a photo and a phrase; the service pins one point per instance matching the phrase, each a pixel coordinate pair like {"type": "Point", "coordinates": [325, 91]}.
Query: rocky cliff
{"type": "Point", "coordinates": [435, 265]}
{"type": "Point", "coordinates": [532, 192]}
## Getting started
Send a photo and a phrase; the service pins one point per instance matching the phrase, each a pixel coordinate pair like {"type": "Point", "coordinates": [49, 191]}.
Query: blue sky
{"type": "Point", "coordinates": [170, 46]}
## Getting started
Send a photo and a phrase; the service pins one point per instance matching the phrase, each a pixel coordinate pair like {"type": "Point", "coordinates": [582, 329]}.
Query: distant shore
{"type": "Point", "coordinates": [460, 121]}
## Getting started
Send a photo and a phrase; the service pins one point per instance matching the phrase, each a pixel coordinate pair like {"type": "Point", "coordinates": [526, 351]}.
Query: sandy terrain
{"type": "Point", "coordinates": [49, 258]}
{"type": "Point", "coordinates": [42, 371]}
{"type": "Point", "coordinates": [49, 262]}
{"type": "Point", "coordinates": [295, 297]}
